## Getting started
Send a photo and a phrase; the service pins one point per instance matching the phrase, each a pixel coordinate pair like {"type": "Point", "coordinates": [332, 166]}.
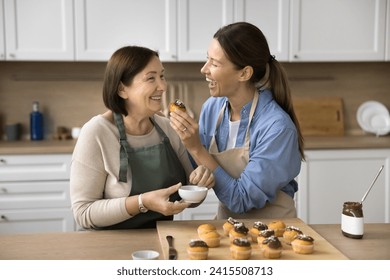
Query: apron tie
{"type": "Point", "coordinates": [124, 163]}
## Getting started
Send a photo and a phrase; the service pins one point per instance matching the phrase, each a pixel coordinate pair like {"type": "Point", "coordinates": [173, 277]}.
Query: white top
{"type": "Point", "coordinates": [233, 131]}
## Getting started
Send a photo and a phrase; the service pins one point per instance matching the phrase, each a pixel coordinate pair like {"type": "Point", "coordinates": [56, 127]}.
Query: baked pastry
{"type": "Point", "coordinates": [263, 234]}
{"type": "Point", "coordinates": [228, 225]}
{"type": "Point", "coordinates": [303, 244]}
{"type": "Point", "coordinates": [205, 228]}
{"type": "Point", "coordinates": [240, 249]}
{"type": "Point", "coordinates": [255, 230]}
{"type": "Point", "coordinates": [290, 233]}
{"type": "Point", "coordinates": [177, 105]}
{"type": "Point", "coordinates": [272, 247]}
{"type": "Point", "coordinates": [197, 250]}
{"type": "Point", "coordinates": [212, 238]}
{"type": "Point", "coordinates": [278, 226]}
{"type": "Point", "coordinates": [239, 230]}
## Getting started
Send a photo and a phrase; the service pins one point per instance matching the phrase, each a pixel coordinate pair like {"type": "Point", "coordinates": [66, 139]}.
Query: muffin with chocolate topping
{"type": "Point", "coordinates": [240, 249]}
{"type": "Point", "coordinates": [239, 230]}
{"type": "Point", "coordinates": [228, 225]}
{"type": "Point", "coordinates": [290, 233]}
{"type": "Point", "coordinates": [197, 250]}
{"type": "Point", "coordinates": [272, 247]}
{"type": "Point", "coordinates": [177, 105]}
{"type": "Point", "coordinates": [303, 244]}
{"type": "Point", "coordinates": [256, 228]}
{"type": "Point", "coordinates": [263, 234]}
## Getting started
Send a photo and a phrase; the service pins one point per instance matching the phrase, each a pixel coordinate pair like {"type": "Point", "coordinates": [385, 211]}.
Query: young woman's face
{"type": "Point", "coordinates": [220, 72]}
{"type": "Point", "coordinates": [144, 95]}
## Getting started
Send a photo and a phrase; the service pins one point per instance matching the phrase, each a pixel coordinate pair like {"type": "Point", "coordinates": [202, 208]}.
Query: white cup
{"type": "Point", "coordinates": [145, 255]}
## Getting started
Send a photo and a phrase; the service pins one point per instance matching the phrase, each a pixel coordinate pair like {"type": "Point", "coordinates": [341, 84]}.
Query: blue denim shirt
{"type": "Point", "coordinates": [274, 157]}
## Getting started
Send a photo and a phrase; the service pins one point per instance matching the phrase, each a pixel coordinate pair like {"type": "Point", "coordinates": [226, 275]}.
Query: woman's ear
{"type": "Point", "coordinates": [246, 73]}
{"type": "Point", "coordinates": [122, 91]}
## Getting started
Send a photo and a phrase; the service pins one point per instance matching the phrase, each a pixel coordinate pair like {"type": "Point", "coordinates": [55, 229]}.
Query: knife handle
{"type": "Point", "coordinates": [170, 240]}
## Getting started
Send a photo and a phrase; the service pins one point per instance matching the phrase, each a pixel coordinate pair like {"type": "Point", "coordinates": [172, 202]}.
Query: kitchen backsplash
{"type": "Point", "coordinates": [70, 93]}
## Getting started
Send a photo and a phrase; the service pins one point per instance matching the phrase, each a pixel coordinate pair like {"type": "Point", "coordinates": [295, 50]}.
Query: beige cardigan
{"type": "Point", "coordinates": [98, 198]}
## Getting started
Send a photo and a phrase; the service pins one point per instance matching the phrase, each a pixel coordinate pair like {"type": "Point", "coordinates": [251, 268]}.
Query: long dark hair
{"type": "Point", "coordinates": [245, 45]}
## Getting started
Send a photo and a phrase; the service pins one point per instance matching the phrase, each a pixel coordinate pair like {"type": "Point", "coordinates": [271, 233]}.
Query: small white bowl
{"type": "Point", "coordinates": [145, 255]}
{"type": "Point", "coordinates": [193, 193]}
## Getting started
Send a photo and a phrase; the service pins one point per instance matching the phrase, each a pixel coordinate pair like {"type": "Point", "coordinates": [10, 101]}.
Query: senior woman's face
{"type": "Point", "coordinates": [144, 95]}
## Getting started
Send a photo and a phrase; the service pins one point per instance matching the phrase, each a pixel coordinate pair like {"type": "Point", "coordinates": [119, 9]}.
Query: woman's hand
{"type": "Point", "coordinates": [187, 129]}
{"type": "Point", "coordinates": [158, 201]}
{"type": "Point", "coordinates": [202, 176]}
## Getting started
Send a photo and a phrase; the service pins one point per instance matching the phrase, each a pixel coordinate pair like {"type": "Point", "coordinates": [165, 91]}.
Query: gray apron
{"type": "Point", "coordinates": [153, 167]}
{"type": "Point", "coordinates": [282, 207]}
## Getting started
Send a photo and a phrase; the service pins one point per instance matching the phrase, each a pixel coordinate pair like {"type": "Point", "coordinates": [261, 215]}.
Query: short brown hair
{"type": "Point", "coordinates": [123, 65]}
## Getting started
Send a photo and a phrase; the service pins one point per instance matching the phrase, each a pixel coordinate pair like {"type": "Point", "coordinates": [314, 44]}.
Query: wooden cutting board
{"type": "Point", "coordinates": [184, 231]}
{"type": "Point", "coordinates": [320, 116]}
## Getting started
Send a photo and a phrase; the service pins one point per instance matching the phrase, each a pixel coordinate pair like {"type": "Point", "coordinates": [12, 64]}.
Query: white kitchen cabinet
{"type": "Point", "coordinates": [329, 178]}
{"type": "Point", "coordinates": [334, 30]}
{"type": "Point", "coordinates": [206, 211]}
{"type": "Point", "coordinates": [38, 30]}
{"type": "Point", "coordinates": [198, 20]}
{"type": "Point", "coordinates": [2, 35]}
{"type": "Point", "coordinates": [272, 17]}
{"type": "Point", "coordinates": [387, 57]}
{"type": "Point", "coordinates": [103, 26]}
{"type": "Point", "coordinates": [34, 194]}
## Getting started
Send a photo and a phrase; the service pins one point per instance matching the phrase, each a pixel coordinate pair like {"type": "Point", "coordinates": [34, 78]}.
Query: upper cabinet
{"type": "Point", "coordinates": [272, 17]}
{"type": "Point", "coordinates": [387, 57]}
{"type": "Point", "coordinates": [198, 20]}
{"type": "Point", "coordinates": [181, 30]}
{"type": "Point", "coordinates": [38, 30]}
{"type": "Point", "coordinates": [335, 30]}
{"type": "Point", "coordinates": [2, 42]}
{"type": "Point", "coordinates": [103, 26]}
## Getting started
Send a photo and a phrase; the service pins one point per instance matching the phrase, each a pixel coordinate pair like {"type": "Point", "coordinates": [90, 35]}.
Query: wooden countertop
{"type": "Point", "coordinates": [119, 244]}
{"type": "Point", "coordinates": [374, 245]}
{"type": "Point", "coordinates": [37, 147]}
{"type": "Point", "coordinates": [311, 143]}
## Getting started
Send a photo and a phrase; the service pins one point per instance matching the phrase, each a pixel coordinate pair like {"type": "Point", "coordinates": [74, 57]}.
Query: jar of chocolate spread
{"type": "Point", "coordinates": [352, 221]}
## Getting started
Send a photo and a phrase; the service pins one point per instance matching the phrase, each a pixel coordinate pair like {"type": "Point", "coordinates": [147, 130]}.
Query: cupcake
{"type": "Point", "coordinates": [197, 250]}
{"type": "Point", "coordinates": [228, 225]}
{"type": "Point", "coordinates": [272, 248]}
{"type": "Point", "coordinates": [303, 244]}
{"type": "Point", "coordinates": [255, 230]}
{"type": "Point", "coordinates": [212, 238]}
{"type": "Point", "coordinates": [263, 234]}
{"type": "Point", "coordinates": [239, 230]}
{"type": "Point", "coordinates": [205, 228]}
{"type": "Point", "coordinates": [278, 226]}
{"type": "Point", "coordinates": [290, 233]}
{"type": "Point", "coordinates": [240, 249]}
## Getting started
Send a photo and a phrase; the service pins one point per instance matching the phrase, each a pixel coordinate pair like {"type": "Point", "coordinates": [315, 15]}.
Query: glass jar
{"type": "Point", "coordinates": [352, 220]}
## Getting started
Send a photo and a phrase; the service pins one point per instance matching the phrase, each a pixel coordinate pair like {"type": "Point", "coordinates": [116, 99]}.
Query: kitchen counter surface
{"type": "Point", "coordinates": [311, 143]}
{"type": "Point", "coordinates": [37, 147]}
{"type": "Point", "coordinates": [119, 244]}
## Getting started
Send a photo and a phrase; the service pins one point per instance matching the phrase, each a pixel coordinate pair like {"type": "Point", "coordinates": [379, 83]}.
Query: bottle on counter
{"type": "Point", "coordinates": [36, 123]}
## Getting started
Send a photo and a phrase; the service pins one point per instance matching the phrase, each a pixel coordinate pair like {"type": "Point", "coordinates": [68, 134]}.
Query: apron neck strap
{"type": "Point", "coordinates": [251, 113]}
{"type": "Point", "coordinates": [124, 146]}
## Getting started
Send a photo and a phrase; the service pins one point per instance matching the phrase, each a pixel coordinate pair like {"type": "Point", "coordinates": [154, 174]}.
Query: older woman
{"type": "Point", "coordinates": [128, 163]}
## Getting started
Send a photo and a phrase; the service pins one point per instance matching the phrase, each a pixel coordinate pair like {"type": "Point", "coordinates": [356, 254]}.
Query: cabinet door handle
{"type": "Point", "coordinates": [3, 218]}
{"type": "Point", "coordinates": [2, 161]}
